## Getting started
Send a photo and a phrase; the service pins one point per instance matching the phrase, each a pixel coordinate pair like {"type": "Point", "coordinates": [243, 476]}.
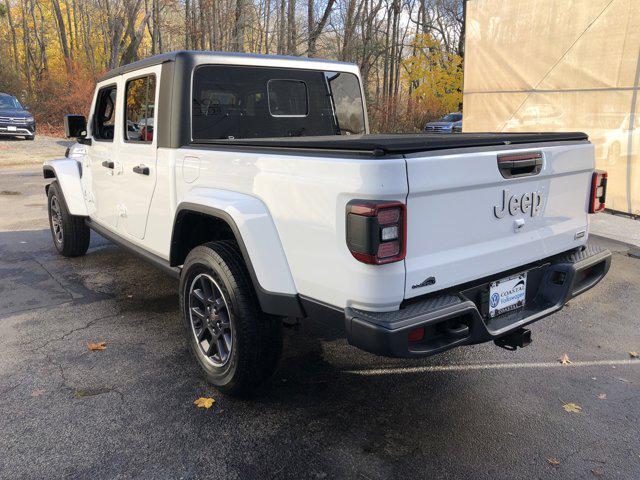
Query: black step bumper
{"type": "Point", "coordinates": [460, 316]}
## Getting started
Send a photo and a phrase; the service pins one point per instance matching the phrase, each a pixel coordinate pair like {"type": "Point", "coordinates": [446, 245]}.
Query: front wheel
{"type": "Point", "coordinates": [236, 344]}
{"type": "Point", "coordinates": [70, 233]}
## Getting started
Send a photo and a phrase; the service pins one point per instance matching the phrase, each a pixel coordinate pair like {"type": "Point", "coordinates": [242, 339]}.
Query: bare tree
{"type": "Point", "coordinates": [12, 29]}
{"type": "Point", "coordinates": [239, 26]}
{"type": "Point", "coordinates": [62, 34]}
{"type": "Point", "coordinates": [315, 29]}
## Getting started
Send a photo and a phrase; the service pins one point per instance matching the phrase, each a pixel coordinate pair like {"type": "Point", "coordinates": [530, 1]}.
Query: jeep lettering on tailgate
{"type": "Point", "coordinates": [528, 203]}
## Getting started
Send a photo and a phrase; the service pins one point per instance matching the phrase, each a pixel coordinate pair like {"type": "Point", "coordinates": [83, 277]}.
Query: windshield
{"type": "Point", "coordinates": [452, 117]}
{"type": "Point", "coordinates": [231, 102]}
{"type": "Point", "coordinates": [9, 102]}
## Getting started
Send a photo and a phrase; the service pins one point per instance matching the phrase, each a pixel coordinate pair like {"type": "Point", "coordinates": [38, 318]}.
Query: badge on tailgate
{"type": "Point", "coordinates": [529, 203]}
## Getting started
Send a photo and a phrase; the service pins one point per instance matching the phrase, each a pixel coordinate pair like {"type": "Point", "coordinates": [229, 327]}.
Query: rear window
{"type": "Point", "coordinates": [452, 117]}
{"type": "Point", "coordinates": [231, 102]}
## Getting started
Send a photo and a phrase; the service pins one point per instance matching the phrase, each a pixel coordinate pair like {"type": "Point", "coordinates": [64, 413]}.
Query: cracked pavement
{"type": "Point", "coordinates": [331, 411]}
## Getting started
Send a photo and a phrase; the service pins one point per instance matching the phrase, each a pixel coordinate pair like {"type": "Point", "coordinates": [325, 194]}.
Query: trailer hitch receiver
{"type": "Point", "coordinates": [518, 339]}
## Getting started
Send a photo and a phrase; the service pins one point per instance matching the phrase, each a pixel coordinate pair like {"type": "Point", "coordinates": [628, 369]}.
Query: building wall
{"type": "Point", "coordinates": [560, 65]}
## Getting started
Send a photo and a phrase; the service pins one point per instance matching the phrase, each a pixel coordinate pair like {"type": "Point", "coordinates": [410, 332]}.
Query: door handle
{"type": "Point", "coordinates": [513, 166]}
{"type": "Point", "coordinates": [141, 169]}
{"type": "Point", "coordinates": [107, 164]}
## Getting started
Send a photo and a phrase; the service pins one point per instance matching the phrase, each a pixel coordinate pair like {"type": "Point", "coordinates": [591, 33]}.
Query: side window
{"type": "Point", "coordinates": [287, 98]}
{"type": "Point", "coordinates": [139, 109]}
{"type": "Point", "coordinates": [104, 116]}
{"type": "Point", "coordinates": [345, 92]}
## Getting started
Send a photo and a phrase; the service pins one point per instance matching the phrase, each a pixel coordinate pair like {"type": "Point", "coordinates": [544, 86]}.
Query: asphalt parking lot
{"type": "Point", "coordinates": [331, 412]}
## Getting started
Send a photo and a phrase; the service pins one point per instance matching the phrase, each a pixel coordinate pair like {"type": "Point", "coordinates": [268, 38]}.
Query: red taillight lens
{"type": "Point", "coordinates": [376, 231]}
{"type": "Point", "coordinates": [598, 191]}
{"type": "Point", "coordinates": [416, 334]}
{"type": "Point", "coordinates": [389, 216]}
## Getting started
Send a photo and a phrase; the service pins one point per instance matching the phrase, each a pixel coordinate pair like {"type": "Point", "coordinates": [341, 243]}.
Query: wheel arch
{"type": "Point", "coordinates": [68, 173]}
{"type": "Point", "coordinates": [246, 221]}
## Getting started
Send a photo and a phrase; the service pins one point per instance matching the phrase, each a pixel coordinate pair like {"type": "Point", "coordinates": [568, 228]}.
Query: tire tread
{"type": "Point", "coordinates": [261, 334]}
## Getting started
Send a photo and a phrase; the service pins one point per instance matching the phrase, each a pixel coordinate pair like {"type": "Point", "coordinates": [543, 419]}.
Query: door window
{"type": "Point", "coordinates": [139, 109]}
{"type": "Point", "coordinates": [105, 114]}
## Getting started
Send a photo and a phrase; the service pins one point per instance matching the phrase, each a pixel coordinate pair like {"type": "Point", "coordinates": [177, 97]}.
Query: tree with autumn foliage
{"type": "Point", "coordinates": [434, 74]}
{"type": "Point", "coordinates": [54, 50]}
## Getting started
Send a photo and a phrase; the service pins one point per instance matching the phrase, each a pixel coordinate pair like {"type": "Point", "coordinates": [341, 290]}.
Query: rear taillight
{"type": "Point", "coordinates": [598, 191]}
{"type": "Point", "coordinates": [376, 231]}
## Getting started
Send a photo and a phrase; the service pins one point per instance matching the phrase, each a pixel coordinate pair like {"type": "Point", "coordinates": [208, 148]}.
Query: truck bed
{"type": "Point", "coordinates": [398, 144]}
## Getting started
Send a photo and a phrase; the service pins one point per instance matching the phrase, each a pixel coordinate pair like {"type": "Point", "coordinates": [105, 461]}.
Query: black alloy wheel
{"type": "Point", "coordinates": [209, 316]}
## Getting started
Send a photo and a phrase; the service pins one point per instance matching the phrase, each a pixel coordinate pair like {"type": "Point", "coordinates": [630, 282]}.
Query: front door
{"type": "Point", "coordinates": [100, 163]}
{"type": "Point", "coordinates": [137, 150]}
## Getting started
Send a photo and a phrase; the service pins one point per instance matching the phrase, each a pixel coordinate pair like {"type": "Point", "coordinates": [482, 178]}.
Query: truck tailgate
{"type": "Point", "coordinates": [462, 224]}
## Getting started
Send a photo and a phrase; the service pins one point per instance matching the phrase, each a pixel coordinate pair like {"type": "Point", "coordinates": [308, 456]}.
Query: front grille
{"type": "Point", "coordinates": [437, 128]}
{"type": "Point", "coordinates": [13, 120]}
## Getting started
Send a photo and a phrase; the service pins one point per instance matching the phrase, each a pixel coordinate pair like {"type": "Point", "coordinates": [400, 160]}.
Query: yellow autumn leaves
{"type": "Point", "coordinates": [434, 73]}
{"type": "Point", "coordinates": [572, 408]}
{"type": "Point", "coordinates": [204, 402]}
{"type": "Point", "coordinates": [95, 346]}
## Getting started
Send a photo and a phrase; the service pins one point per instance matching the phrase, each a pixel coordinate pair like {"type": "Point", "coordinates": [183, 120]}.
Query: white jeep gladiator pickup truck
{"type": "Point", "coordinates": [255, 181]}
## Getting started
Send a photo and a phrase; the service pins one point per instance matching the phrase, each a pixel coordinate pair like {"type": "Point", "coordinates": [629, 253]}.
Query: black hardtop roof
{"type": "Point", "coordinates": [172, 56]}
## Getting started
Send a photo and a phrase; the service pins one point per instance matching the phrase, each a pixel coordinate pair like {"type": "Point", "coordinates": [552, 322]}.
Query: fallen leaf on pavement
{"type": "Point", "coordinates": [598, 472]}
{"type": "Point", "coordinates": [554, 461]}
{"type": "Point", "coordinates": [96, 346]}
{"type": "Point", "coordinates": [204, 402]}
{"type": "Point", "coordinates": [37, 392]}
{"type": "Point", "coordinates": [564, 359]}
{"type": "Point", "coordinates": [602, 396]}
{"type": "Point", "coordinates": [572, 408]}
{"type": "Point", "coordinates": [634, 354]}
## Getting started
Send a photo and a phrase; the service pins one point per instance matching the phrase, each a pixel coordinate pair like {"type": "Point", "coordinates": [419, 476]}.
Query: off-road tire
{"type": "Point", "coordinates": [257, 337]}
{"type": "Point", "coordinates": [74, 239]}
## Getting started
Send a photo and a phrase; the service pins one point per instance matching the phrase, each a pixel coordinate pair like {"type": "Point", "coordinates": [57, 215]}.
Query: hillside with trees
{"type": "Point", "coordinates": [410, 52]}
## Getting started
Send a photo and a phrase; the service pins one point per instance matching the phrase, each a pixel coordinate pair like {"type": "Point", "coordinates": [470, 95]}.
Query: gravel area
{"type": "Point", "coordinates": [15, 152]}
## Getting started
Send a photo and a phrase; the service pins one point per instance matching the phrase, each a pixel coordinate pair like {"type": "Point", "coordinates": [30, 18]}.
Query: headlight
{"type": "Point", "coordinates": [29, 119]}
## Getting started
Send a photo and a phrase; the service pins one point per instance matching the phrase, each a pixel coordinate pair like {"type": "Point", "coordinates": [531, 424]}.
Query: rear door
{"type": "Point", "coordinates": [470, 216]}
{"type": "Point", "coordinates": [137, 150]}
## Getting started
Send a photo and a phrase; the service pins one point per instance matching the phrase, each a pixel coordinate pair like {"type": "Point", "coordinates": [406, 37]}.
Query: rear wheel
{"type": "Point", "coordinates": [70, 233]}
{"type": "Point", "coordinates": [236, 344]}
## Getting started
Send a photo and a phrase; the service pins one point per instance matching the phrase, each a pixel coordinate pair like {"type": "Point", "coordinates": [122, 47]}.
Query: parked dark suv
{"type": "Point", "coordinates": [15, 121]}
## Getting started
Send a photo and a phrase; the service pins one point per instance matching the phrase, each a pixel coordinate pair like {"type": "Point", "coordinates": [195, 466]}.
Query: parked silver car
{"type": "Point", "coordinates": [451, 123]}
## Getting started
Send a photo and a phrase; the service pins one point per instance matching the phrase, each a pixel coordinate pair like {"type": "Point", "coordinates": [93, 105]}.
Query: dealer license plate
{"type": "Point", "coordinates": [507, 294]}
{"type": "Point", "coordinates": [11, 129]}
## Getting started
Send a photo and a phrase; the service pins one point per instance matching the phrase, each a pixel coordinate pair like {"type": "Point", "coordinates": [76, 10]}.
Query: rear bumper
{"type": "Point", "coordinates": [460, 316]}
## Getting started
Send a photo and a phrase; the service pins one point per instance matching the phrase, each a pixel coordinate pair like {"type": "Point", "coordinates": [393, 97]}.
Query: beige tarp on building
{"type": "Point", "coordinates": [560, 65]}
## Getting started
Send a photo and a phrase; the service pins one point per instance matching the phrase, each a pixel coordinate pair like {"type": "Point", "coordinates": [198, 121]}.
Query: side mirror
{"type": "Point", "coordinates": [75, 126]}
